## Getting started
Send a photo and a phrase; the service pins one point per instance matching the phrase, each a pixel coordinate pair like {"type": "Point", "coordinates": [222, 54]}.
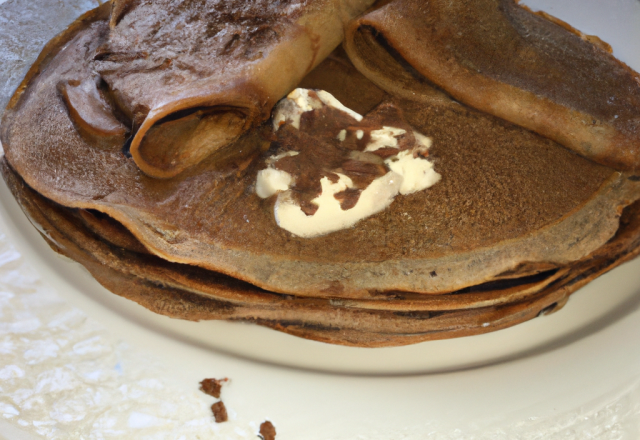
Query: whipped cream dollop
{"type": "Point", "coordinates": [336, 167]}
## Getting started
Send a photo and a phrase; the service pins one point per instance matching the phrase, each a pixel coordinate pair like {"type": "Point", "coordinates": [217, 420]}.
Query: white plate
{"type": "Point", "coordinates": [553, 368]}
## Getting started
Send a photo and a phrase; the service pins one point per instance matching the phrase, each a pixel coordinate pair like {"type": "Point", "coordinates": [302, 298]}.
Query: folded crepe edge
{"type": "Point", "coordinates": [313, 37]}
{"type": "Point", "coordinates": [571, 128]}
{"type": "Point", "coordinates": [567, 239]}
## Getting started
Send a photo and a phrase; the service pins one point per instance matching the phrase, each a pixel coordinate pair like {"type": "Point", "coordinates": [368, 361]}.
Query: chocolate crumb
{"type": "Point", "coordinates": [267, 431]}
{"type": "Point", "coordinates": [219, 412]}
{"type": "Point", "coordinates": [212, 386]}
{"type": "Point", "coordinates": [307, 207]}
{"type": "Point", "coordinates": [348, 198]}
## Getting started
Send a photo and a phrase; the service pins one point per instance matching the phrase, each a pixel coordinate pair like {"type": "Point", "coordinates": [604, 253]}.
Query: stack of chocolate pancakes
{"type": "Point", "coordinates": [137, 144]}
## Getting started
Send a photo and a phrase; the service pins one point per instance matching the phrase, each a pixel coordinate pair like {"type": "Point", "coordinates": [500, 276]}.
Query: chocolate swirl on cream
{"type": "Point", "coordinates": [335, 167]}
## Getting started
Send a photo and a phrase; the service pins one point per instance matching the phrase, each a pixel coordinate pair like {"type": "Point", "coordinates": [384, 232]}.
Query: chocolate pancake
{"type": "Point", "coordinates": [513, 223]}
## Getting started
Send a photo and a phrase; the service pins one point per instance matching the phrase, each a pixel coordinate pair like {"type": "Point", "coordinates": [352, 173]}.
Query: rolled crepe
{"type": "Point", "coordinates": [189, 77]}
{"type": "Point", "coordinates": [501, 58]}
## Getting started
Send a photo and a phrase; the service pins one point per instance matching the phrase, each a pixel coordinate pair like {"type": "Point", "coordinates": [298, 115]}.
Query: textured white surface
{"type": "Point", "coordinates": [64, 376]}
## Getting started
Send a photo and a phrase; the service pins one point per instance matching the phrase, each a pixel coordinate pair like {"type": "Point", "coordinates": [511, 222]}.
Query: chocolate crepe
{"type": "Point", "coordinates": [499, 57]}
{"type": "Point", "coordinates": [183, 79]}
{"type": "Point", "coordinates": [515, 225]}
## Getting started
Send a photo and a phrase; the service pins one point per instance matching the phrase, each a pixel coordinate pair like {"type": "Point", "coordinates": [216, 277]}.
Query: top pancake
{"type": "Point", "coordinates": [507, 196]}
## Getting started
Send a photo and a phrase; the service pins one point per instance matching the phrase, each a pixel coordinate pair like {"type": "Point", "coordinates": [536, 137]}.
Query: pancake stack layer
{"type": "Point", "coordinates": [154, 190]}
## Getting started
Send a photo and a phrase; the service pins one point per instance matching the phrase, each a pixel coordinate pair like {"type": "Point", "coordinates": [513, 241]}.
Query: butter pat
{"type": "Point", "coordinates": [270, 180]}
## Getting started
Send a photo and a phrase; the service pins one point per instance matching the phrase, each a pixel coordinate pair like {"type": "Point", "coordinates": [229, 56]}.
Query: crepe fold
{"type": "Point", "coordinates": [182, 79]}
{"type": "Point", "coordinates": [499, 57]}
